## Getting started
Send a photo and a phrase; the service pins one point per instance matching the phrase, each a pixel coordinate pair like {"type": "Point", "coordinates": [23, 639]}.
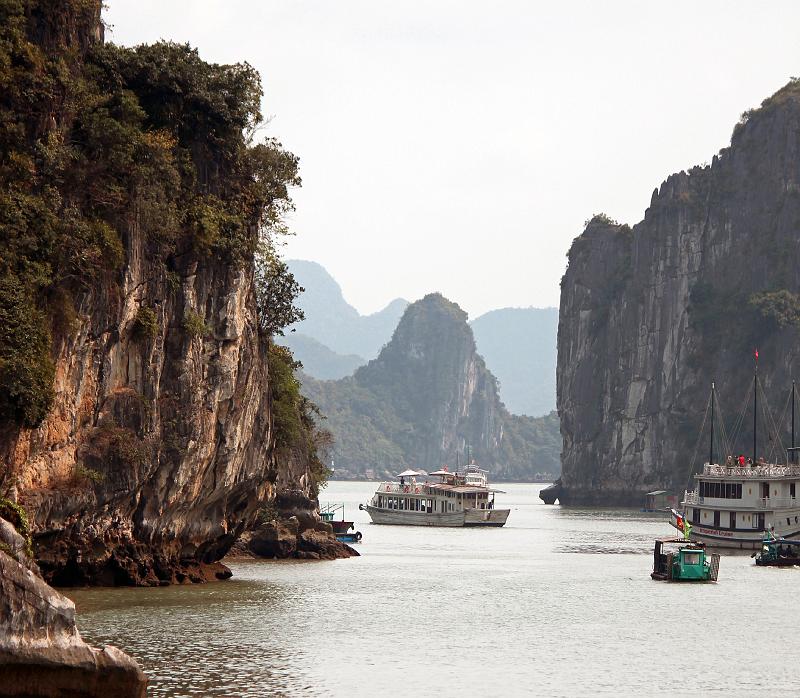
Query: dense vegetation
{"type": "Point", "coordinates": [100, 142]}
{"type": "Point", "coordinates": [295, 417]}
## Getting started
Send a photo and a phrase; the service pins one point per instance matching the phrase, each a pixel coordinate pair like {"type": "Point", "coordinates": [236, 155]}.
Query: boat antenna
{"type": "Point", "coordinates": [755, 407]}
{"type": "Point", "coordinates": [794, 457]}
{"type": "Point", "coordinates": [711, 445]}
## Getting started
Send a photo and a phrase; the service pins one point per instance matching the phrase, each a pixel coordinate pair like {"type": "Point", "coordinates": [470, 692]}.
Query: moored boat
{"type": "Point", "coordinates": [778, 552]}
{"type": "Point", "coordinates": [679, 560]}
{"type": "Point", "coordinates": [735, 502]}
{"type": "Point", "coordinates": [457, 499]}
{"type": "Point", "coordinates": [341, 528]}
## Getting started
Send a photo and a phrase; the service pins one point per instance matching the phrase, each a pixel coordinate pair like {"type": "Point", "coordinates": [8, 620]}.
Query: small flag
{"type": "Point", "coordinates": [755, 353]}
{"type": "Point", "coordinates": [687, 529]}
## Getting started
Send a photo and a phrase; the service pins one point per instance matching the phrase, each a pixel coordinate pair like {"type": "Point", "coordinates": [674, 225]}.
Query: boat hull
{"type": "Point", "coordinates": [738, 540]}
{"type": "Point", "coordinates": [476, 518]}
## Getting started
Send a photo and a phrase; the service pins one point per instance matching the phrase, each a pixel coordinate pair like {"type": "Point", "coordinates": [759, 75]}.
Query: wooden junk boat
{"type": "Point", "coordinates": [679, 560]}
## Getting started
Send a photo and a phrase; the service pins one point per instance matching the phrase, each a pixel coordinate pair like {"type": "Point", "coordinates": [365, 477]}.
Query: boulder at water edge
{"type": "Point", "coordinates": [41, 650]}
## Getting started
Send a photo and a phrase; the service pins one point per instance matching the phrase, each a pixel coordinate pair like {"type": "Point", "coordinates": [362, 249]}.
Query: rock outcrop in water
{"type": "Point", "coordinates": [41, 650]}
{"type": "Point", "coordinates": [427, 397]}
{"type": "Point", "coordinates": [136, 402]}
{"type": "Point", "coordinates": [650, 315]}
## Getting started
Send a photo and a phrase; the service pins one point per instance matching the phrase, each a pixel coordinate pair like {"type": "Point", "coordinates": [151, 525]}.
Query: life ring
{"type": "Point", "coordinates": [358, 535]}
{"type": "Point", "coordinates": [407, 488]}
{"type": "Point", "coordinates": [416, 490]}
{"type": "Point", "coordinates": [388, 488]}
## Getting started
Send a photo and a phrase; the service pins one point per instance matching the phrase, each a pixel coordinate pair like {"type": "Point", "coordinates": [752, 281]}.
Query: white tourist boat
{"type": "Point", "coordinates": [732, 506]}
{"type": "Point", "coordinates": [735, 503]}
{"type": "Point", "coordinates": [455, 499]}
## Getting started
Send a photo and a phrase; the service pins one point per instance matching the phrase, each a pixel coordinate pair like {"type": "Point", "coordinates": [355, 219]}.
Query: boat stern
{"type": "Point", "coordinates": [486, 517]}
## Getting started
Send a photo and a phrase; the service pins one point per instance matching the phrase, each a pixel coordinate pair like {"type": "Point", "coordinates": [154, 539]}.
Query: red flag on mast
{"type": "Point", "coordinates": [756, 354]}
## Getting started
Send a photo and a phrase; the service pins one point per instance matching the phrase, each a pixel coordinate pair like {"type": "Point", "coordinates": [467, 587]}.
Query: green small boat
{"type": "Point", "coordinates": [778, 552]}
{"type": "Point", "coordinates": [677, 560]}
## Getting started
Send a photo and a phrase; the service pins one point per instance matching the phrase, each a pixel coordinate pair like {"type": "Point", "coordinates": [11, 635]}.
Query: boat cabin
{"type": "Point", "coordinates": [677, 560]}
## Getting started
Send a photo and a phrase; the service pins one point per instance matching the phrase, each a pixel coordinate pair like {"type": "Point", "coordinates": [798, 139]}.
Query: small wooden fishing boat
{"type": "Point", "coordinates": [679, 560]}
{"type": "Point", "coordinates": [778, 552]}
{"type": "Point", "coordinates": [341, 528]}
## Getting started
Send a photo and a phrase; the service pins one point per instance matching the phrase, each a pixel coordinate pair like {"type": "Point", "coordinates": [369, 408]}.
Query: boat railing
{"type": "Point", "coordinates": [762, 503]}
{"type": "Point", "coordinates": [751, 472]}
{"type": "Point", "coordinates": [397, 488]}
{"type": "Point", "coordinates": [777, 502]}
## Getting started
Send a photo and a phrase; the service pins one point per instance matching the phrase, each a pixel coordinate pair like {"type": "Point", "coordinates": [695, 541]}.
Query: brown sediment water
{"type": "Point", "coordinates": [557, 603]}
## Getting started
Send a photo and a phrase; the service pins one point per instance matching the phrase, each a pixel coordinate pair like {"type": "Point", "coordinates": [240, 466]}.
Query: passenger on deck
{"type": "Point", "coordinates": [729, 462]}
{"type": "Point", "coordinates": [741, 460]}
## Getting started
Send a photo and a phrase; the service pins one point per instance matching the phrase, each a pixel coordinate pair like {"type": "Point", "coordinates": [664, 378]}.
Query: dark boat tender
{"type": "Point", "coordinates": [778, 552]}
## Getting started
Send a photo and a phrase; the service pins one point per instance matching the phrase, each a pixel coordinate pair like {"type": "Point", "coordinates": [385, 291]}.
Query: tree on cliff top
{"type": "Point", "coordinates": [98, 139]}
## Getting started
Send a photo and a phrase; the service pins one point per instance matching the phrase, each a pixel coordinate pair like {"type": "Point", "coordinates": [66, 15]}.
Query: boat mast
{"type": "Point", "coordinates": [711, 445]}
{"type": "Point", "coordinates": [755, 409]}
{"type": "Point", "coordinates": [794, 458]}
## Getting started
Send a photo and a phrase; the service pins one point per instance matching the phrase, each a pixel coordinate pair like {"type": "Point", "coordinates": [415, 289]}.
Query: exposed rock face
{"type": "Point", "coordinates": [651, 315]}
{"type": "Point", "coordinates": [158, 449]}
{"type": "Point", "coordinates": [426, 398]}
{"type": "Point", "coordinates": [296, 532]}
{"type": "Point", "coordinates": [41, 651]}
{"type": "Point", "coordinates": [176, 428]}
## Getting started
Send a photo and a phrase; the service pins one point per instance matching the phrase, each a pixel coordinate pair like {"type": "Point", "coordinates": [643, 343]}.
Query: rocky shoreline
{"type": "Point", "coordinates": [41, 650]}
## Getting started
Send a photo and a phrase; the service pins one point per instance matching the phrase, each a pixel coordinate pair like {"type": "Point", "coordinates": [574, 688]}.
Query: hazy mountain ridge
{"type": "Point", "coordinates": [425, 398]}
{"type": "Point", "coordinates": [318, 360]}
{"type": "Point", "coordinates": [332, 321]}
{"type": "Point", "coordinates": [519, 346]}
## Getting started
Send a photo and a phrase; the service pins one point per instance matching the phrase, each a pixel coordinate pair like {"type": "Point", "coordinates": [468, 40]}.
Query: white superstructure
{"type": "Point", "coordinates": [457, 499]}
{"type": "Point", "coordinates": [732, 506]}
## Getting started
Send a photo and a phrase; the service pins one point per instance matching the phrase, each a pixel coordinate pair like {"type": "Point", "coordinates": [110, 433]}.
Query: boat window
{"type": "Point", "coordinates": [791, 489]}
{"type": "Point", "coordinates": [716, 519]}
{"type": "Point", "coordinates": [691, 558]}
{"type": "Point", "coordinates": [695, 516]}
{"type": "Point", "coordinates": [733, 519]}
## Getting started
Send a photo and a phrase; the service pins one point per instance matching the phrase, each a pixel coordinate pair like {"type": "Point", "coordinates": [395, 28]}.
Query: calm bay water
{"type": "Point", "coordinates": [559, 602]}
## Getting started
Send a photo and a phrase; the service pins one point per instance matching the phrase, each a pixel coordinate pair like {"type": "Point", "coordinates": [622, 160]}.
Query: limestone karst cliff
{"type": "Point", "coordinates": [137, 421]}
{"type": "Point", "coordinates": [650, 315]}
{"type": "Point", "coordinates": [427, 397]}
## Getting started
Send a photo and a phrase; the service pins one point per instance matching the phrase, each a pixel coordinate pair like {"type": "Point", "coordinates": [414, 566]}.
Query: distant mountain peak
{"type": "Point", "coordinates": [332, 321]}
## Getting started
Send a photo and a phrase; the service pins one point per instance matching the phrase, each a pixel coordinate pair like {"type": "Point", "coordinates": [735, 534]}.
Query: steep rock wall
{"type": "Point", "coordinates": [649, 316]}
{"type": "Point", "coordinates": [158, 448]}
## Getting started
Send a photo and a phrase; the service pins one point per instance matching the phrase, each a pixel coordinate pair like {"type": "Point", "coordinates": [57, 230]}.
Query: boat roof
{"type": "Point", "coordinates": [658, 492]}
{"type": "Point", "coordinates": [686, 543]}
{"type": "Point", "coordinates": [408, 473]}
{"type": "Point", "coordinates": [462, 489]}
{"type": "Point", "coordinates": [440, 472]}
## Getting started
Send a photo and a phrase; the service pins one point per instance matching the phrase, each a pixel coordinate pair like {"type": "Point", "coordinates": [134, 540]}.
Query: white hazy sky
{"type": "Point", "coordinates": [459, 146]}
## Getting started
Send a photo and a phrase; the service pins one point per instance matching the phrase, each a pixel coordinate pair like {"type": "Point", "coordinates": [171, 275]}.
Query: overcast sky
{"type": "Point", "coordinates": [459, 146]}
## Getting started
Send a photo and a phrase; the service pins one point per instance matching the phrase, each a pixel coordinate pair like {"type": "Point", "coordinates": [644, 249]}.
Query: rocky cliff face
{"type": "Point", "coordinates": [427, 397]}
{"type": "Point", "coordinates": [155, 449]}
{"type": "Point", "coordinates": [650, 315]}
{"type": "Point", "coordinates": [156, 452]}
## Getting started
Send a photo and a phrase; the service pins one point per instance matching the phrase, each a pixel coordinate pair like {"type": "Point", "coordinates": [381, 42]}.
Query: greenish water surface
{"type": "Point", "coordinates": [557, 603]}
